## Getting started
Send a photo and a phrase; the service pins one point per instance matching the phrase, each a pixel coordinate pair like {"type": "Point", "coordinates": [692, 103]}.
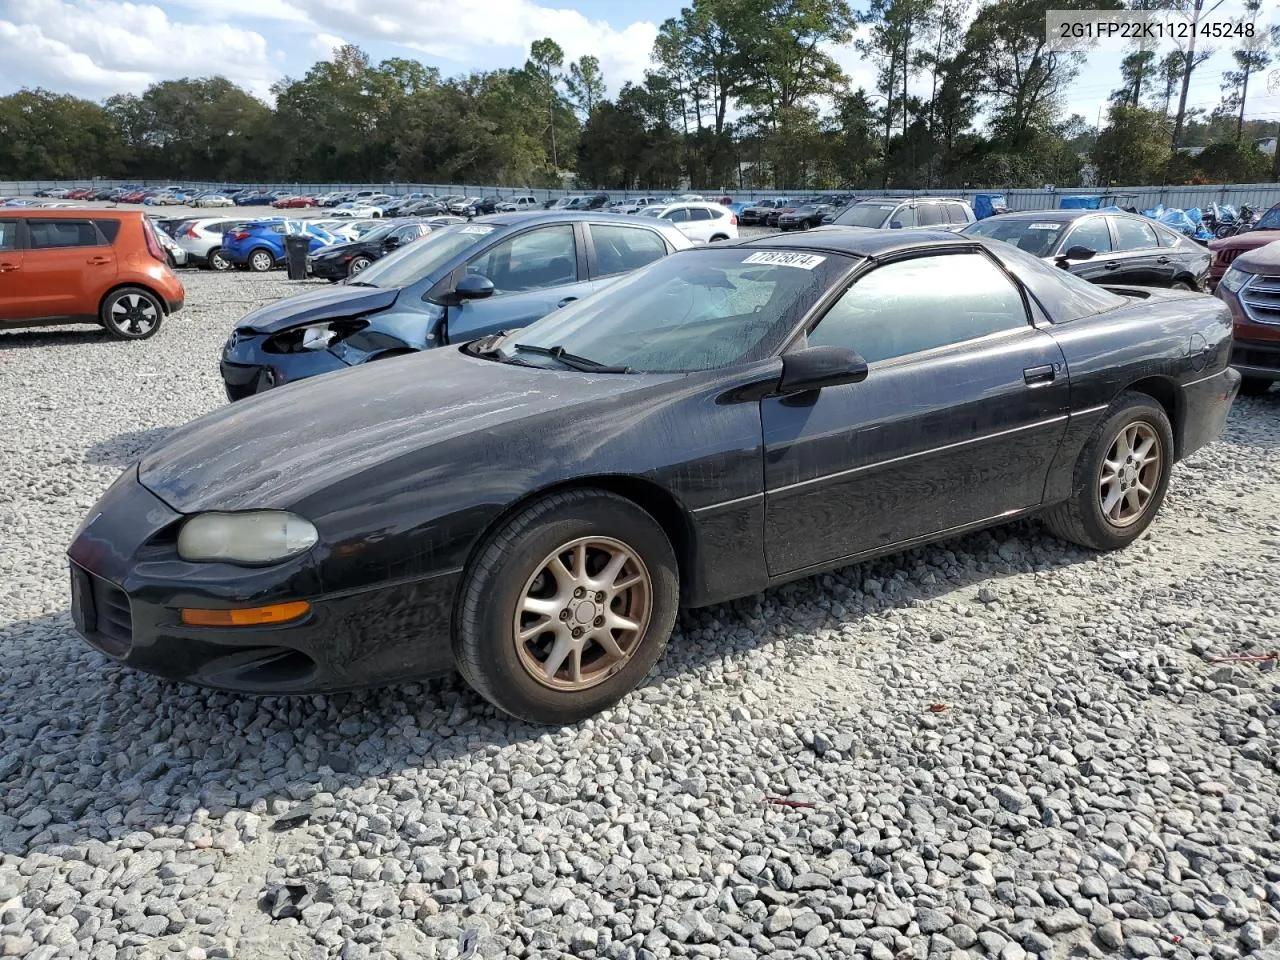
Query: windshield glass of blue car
{"type": "Point", "coordinates": [865, 214]}
{"type": "Point", "coordinates": [411, 263]}
{"type": "Point", "coordinates": [1036, 237]}
{"type": "Point", "coordinates": [698, 310]}
{"type": "Point", "coordinates": [1270, 220]}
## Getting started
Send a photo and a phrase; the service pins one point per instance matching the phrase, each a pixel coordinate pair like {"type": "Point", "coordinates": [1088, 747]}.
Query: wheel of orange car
{"type": "Point", "coordinates": [566, 606]}
{"type": "Point", "coordinates": [261, 260]}
{"type": "Point", "coordinates": [1121, 477]}
{"type": "Point", "coordinates": [131, 313]}
{"type": "Point", "coordinates": [356, 265]}
{"type": "Point", "coordinates": [218, 260]}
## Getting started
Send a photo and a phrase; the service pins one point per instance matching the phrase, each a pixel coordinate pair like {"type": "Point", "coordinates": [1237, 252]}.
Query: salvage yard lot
{"type": "Point", "coordinates": [999, 744]}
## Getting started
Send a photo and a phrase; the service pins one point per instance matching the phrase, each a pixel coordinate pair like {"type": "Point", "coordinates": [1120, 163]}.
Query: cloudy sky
{"type": "Point", "coordinates": [94, 48]}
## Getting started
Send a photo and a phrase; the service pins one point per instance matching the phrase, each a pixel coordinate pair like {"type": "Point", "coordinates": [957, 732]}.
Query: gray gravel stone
{"type": "Point", "coordinates": [1094, 781]}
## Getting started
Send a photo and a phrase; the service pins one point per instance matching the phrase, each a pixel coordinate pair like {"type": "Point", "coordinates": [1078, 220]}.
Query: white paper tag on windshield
{"type": "Point", "coordinates": [805, 261]}
{"type": "Point", "coordinates": [480, 230]}
{"type": "Point", "coordinates": [1044, 226]}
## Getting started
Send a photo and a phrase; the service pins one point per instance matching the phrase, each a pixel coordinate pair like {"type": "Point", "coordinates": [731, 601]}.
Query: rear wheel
{"type": "Point", "coordinates": [1120, 479]}
{"type": "Point", "coordinates": [131, 313]}
{"type": "Point", "coordinates": [218, 260]}
{"type": "Point", "coordinates": [567, 607]}
{"type": "Point", "coordinates": [1255, 386]}
{"type": "Point", "coordinates": [261, 260]}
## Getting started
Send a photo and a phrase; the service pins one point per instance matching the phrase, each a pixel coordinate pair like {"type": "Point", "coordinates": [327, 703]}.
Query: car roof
{"type": "Point", "coordinates": [533, 217]}
{"type": "Point", "coordinates": [71, 213]}
{"type": "Point", "coordinates": [1053, 216]}
{"type": "Point", "coordinates": [860, 243]}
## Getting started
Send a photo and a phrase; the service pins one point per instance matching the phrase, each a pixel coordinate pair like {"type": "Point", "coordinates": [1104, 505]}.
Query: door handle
{"type": "Point", "coordinates": [8, 267]}
{"type": "Point", "coordinates": [97, 261]}
{"type": "Point", "coordinates": [1110, 266]}
{"type": "Point", "coordinates": [565, 302]}
{"type": "Point", "coordinates": [1038, 375]}
{"type": "Point", "coordinates": [1164, 260]}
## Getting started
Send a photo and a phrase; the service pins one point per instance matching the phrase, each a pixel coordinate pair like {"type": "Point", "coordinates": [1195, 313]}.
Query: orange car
{"type": "Point", "coordinates": [85, 266]}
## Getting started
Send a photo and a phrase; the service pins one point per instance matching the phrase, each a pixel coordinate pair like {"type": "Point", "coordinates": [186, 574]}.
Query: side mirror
{"type": "Point", "coordinates": [391, 242]}
{"type": "Point", "coordinates": [816, 367]}
{"type": "Point", "coordinates": [473, 287]}
{"type": "Point", "coordinates": [895, 224]}
{"type": "Point", "coordinates": [829, 218]}
{"type": "Point", "coordinates": [1077, 252]}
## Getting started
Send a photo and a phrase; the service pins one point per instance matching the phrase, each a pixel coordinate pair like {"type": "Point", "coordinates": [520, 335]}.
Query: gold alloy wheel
{"type": "Point", "coordinates": [1130, 474]}
{"type": "Point", "coordinates": [583, 613]}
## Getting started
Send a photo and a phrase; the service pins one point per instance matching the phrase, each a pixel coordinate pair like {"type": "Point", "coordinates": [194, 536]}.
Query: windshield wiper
{"type": "Point", "coordinates": [360, 283]}
{"type": "Point", "coordinates": [572, 360]}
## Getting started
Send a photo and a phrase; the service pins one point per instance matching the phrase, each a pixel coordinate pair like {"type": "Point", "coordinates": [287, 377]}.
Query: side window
{"type": "Point", "coordinates": [534, 260]}
{"type": "Point", "coordinates": [280, 228]}
{"type": "Point", "coordinates": [1166, 238]}
{"type": "Point", "coordinates": [621, 249]}
{"type": "Point", "coordinates": [53, 234]}
{"type": "Point", "coordinates": [923, 303]}
{"type": "Point", "coordinates": [700, 213]}
{"type": "Point", "coordinates": [407, 234]}
{"type": "Point", "coordinates": [1133, 235]}
{"type": "Point", "coordinates": [678, 215]}
{"type": "Point", "coordinates": [929, 214]}
{"type": "Point", "coordinates": [956, 212]}
{"type": "Point", "coordinates": [905, 215]}
{"type": "Point", "coordinates": [111, 229]}
{"type": "Point", "coordinates": [1091, 233]}
{"type": "Point", "coordinates": [8, 234]}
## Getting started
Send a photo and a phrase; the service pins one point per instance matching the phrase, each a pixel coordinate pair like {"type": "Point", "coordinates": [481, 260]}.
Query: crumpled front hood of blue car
{"type": "Point", "coordinates": [328, 303]}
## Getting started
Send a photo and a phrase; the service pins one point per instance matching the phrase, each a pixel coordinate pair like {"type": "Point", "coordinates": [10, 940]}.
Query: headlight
{"type": "Point", "coordinates": [1234, 279]}
{"type": "Point", "coordinates": [317, 337]}
{"type": "Point", "coordinates": [257, 537]}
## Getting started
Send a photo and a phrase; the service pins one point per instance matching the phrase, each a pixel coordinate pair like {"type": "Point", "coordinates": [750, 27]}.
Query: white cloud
{"type": "Point", "coordinates": [323, 45]}
{"type": "Point", "coordinates": [100, 47]}
{"type": "Point", "coordinates": [461, 30]}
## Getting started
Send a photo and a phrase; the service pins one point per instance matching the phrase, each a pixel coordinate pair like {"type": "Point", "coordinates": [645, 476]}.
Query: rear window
{"type": "Point", "coordinates": [8, 234]}
{"type": "Point", "coordinates": [1064, 296]}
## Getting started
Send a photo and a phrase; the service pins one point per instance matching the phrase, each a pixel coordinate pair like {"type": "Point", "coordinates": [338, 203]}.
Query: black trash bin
{"type": "Point", "coordinates": [296, 248]}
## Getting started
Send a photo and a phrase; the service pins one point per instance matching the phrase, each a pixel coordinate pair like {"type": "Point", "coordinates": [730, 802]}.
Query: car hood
{"type": "Point", "coordinates": [337, 249]}
{"type": "Point", "coordinates": [1264, 259]}
{"type": "Point", "coordinates": [1249, 240]}
{"type": "Point", "coordinates": [278, 448]}
{"type": "Point", "coordinates": [329, 303]}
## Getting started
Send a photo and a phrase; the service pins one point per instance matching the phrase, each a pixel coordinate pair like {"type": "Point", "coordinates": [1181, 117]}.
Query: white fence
{"type": "Point", "coordinates": [1259, 195]}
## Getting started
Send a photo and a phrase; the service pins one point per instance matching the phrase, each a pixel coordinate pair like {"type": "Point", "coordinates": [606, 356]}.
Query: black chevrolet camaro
{"type": "Point", "coordinates": [531, 508]}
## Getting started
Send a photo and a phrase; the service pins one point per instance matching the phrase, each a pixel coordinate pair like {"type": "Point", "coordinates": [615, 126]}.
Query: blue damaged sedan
{"type": "Point", "coordinates": [462, 282]}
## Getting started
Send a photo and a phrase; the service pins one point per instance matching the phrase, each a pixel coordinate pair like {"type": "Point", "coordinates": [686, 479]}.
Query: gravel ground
{"type": "Point", "coordinates": [998, 746]}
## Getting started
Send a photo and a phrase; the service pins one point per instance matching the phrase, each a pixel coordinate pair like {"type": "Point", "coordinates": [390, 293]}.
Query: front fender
{"type": "Point", "coordinates": [391, 330]}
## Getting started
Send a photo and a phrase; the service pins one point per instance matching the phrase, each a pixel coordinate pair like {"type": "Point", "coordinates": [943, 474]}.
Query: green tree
{"type": "Point", "coordinates": [1253, 55]}
{"type": "Point", "coordinates": [586, 84]}
{"type": "Point", "coordinates": [1133, 147]}
{"type": "Point", "coordinates": [543, 66]}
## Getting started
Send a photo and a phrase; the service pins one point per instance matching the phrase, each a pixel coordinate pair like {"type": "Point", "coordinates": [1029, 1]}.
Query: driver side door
{"type": "Point", "coordinates": [956, 423]}
{"type": "Point", "coordinates": [534, 272]}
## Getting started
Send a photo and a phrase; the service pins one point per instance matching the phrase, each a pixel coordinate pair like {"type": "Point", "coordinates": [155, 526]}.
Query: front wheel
{"type": "Point", "coordinates": [566, 607]}
{"type": "Point", "coordinates": [1120, 479]}
{"type": "Point", "coordinates": [356, 265]}
{"type": "Point", "coordinates": [131, 314]}
{"type": "Point", "coordinates": [260, 261]}
{"type": "Point", "coordinates": [218, 260]}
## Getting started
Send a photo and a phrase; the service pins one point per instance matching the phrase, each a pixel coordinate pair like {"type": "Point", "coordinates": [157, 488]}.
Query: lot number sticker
{"type": "Point", "coordinates": [1044, 226]}
{"type": "Point", "coordinates": [805, 261]}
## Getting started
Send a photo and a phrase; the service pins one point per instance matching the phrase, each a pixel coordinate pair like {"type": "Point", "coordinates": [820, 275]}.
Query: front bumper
{"type": "Point", "coordinates": [248, 368]}
{"type": "Point", "coordinates": [1257, 358]}
{"type": "Point", "coordinates": [326, 269]}
{"type": "Point", "coordinates": [129, 585]}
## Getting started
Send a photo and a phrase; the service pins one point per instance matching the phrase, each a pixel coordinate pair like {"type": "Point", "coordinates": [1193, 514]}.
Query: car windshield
{"type": "Point", "coordinates": [696, 310]}
{"type": "Point", "coordinates": [652, 211]}
{"type": "Point", "coordinates": [415, 261]}
{"type": "Point", "coordinates": [865, 214]}
{"type": "Point", "coordinates": [1036, 237]}
{"type": "Point", "coordinates": [1270, 220]}
{"type": "Point", "coordinates": [380, 231]}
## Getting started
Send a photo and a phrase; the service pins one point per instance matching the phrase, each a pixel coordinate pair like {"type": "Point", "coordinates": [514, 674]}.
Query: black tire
{"type": "Point", "coordinates": [1181, 285]}
{"type": "Point", "coordinates": [357, 264]}
{"type": "Point", "coordinates": [1255, 386]}
{"type": "Point", "coordinates": [218, 261]}
{"type": "Point", "coordinates": [484, 645]}
{"type": "Point", "coordinates": [718, 238]}
{"type": "Point", "coordinates": [1080, 519]}
{"type": "Point", "coordinates": [131, 313]}
{"type": "Point", "coordinates": [260, 260]}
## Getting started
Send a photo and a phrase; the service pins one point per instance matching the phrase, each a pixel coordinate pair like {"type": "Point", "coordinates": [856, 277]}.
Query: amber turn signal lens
{"type": "Point", "coordinates": [246, 616]}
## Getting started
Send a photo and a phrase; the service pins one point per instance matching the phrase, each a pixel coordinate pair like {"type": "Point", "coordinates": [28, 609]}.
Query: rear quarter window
{"type": "Point", "coordinates": [109, 228]}
{"type": "Point", "coordinates": [1063, 296]}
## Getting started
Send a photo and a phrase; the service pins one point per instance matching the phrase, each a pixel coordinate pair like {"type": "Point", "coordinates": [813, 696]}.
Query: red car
{"type": "Point", "coordinates": [1224, 251]}
{"type": "Point", "coordinates": [81, 194]}
{"type": "Point", "coordinates": [293, 203]}
{"type": "Point", "coordinates": [1251, 288]}
{"type": "Point", "coordinates": [137, 196]}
